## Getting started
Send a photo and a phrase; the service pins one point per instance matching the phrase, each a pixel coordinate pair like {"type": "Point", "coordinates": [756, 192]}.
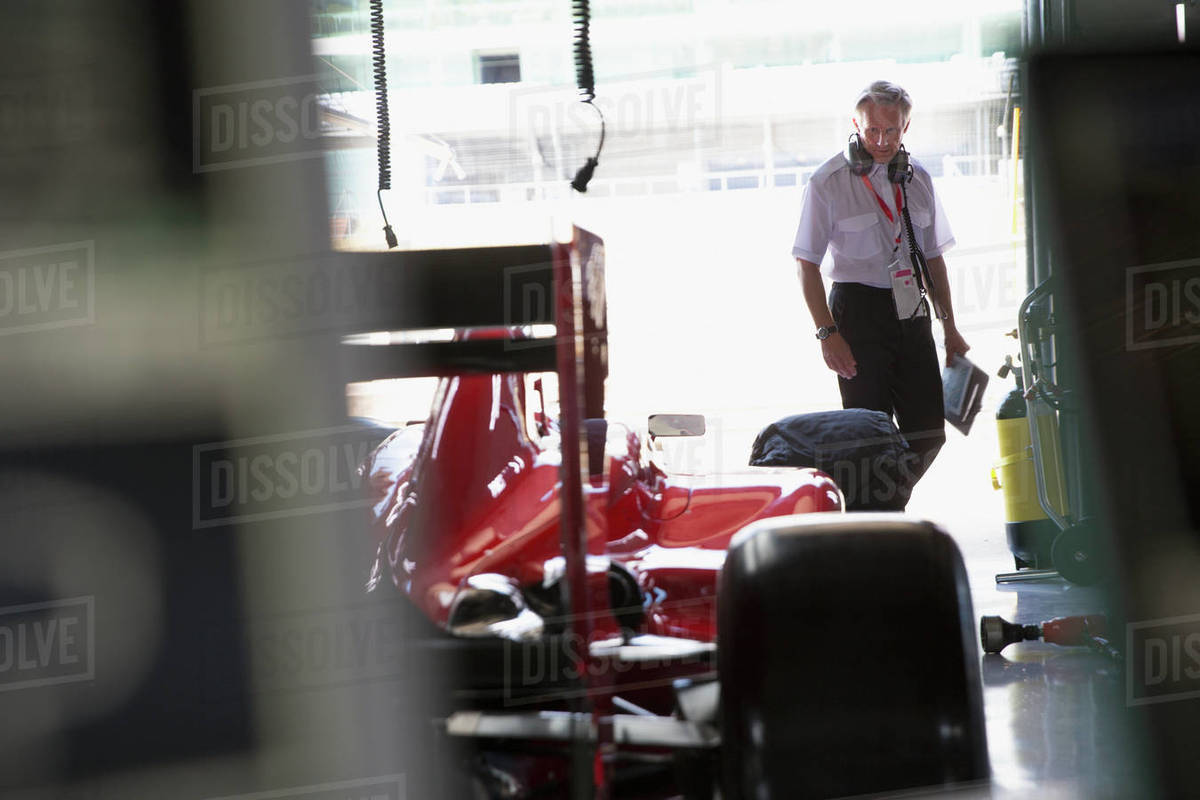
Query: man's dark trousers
{"type": "Point", "coordinates": [898, 371]}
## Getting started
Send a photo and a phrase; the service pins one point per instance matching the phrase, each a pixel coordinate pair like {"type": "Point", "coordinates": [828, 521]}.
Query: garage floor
{"type": "Point", "coordinates": [1052, 712]}
{"type": "Point", "coordinates": [1050, 720]}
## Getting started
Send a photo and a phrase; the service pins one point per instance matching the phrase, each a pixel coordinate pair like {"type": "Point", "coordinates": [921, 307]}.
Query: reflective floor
{"type": "Point", "coordinates": [1053, 713]}
{"type": "Point", "coordinates": [1050, 710]}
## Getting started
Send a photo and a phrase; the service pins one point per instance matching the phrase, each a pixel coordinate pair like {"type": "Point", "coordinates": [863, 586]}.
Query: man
{"type": "Point", "coordinates": [883, 362]}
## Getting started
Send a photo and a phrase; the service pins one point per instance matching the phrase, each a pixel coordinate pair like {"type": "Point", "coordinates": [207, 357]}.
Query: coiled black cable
{"type": "Point", "coordinates": [585, 79]}
{"type": "Point", "coordinates": [383, 125]}
{"type": "Point", "coordinates": [900, 171]}
{"type": "Point", "coordinates": [920, 265]}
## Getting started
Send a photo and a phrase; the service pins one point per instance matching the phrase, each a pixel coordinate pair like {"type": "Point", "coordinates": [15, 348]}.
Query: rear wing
{"type": "Point", "coordinates": [520, 286]}
{"type": "Point", "coordinates": [562, 284]}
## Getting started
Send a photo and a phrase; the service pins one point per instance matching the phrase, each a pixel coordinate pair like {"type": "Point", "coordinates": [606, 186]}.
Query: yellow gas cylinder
{"type": "Point", "coordinates": [1029, 530]}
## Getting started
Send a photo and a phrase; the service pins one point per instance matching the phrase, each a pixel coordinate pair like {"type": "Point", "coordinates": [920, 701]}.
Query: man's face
{"type": "Point", "coordinates": [882, 128]}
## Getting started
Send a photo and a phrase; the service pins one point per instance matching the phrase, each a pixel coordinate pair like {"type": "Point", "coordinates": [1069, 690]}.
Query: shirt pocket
{"type": "Point", "coordinates": [922, 221]}
{"type": "Point", "coordinates": [921, 218]}
{"type": "Point", "coordinates": [858, 237]}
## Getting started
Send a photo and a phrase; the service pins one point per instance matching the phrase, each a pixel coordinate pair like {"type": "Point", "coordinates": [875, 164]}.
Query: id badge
{"type": "Point", "coordinates": [905, 292]}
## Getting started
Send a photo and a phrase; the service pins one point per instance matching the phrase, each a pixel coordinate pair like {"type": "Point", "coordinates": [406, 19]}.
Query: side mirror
{"type": "Point", "coordinates": [676, 425]}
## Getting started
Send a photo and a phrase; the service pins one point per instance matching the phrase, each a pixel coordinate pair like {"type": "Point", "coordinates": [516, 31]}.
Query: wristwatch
{"type": "Point", "coordinates": [824, 331]}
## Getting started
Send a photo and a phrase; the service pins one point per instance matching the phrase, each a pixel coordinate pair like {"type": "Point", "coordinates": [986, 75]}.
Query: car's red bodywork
{"type": "Point", "coordinates": [480, 495]}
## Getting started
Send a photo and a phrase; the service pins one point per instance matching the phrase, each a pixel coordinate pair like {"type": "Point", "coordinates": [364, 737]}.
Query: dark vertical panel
{"type": "Point", "coordinates": [122, 374]}
{"type": "Point", "coordinates": [1115, 136]}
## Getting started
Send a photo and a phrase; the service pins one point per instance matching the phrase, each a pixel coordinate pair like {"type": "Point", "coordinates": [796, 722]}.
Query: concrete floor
{"type": "Point", "coordinates": [1052, 712]}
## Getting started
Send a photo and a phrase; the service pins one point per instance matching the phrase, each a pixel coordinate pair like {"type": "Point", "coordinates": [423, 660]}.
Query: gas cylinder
{"type": "Point", "coordinates": [1029, 530]}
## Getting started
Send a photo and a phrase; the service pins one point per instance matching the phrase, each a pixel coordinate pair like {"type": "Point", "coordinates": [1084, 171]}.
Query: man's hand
{"type": "Point", "coordinates": [838, 356]}
{"type": "Point", "coordinates": [955, 343]}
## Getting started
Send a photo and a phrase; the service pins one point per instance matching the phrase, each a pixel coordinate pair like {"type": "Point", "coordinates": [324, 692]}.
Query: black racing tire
{"type": "Point", "coordinates": [847, 659]}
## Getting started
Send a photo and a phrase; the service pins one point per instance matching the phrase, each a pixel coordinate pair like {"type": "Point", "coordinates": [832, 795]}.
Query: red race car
{"type": "Point", "coordinates": [607, 629]}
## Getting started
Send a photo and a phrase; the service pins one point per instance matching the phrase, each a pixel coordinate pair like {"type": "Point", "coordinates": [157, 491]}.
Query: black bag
{"type": "Point", "coordinates": [862, 451]}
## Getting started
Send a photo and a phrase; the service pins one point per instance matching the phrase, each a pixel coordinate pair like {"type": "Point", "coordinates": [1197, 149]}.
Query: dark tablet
{"type": "Point", "coordinates": [962, 391]}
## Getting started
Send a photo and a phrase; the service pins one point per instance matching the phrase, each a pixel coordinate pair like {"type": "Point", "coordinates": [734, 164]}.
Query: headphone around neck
{"type": "Point", "coordinates": [861, 161]}
{"type": "Point", "coordinates": [900, 171]}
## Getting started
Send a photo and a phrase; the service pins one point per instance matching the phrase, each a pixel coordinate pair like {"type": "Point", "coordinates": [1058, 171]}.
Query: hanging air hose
{"type": "Point", "coordinates": [586, 81]}
{"type": "Point", "coordinates": [382, 124]}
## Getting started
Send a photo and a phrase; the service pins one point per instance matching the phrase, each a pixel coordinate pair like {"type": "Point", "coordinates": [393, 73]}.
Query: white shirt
{"type": "Point", "coordinates": [840, 215]}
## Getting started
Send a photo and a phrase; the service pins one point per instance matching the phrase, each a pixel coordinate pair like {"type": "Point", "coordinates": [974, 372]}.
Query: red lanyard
{"type": "Point", "coordinates": [887, 211]}
{"type": "Point", "coordinates": [879, 199]}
